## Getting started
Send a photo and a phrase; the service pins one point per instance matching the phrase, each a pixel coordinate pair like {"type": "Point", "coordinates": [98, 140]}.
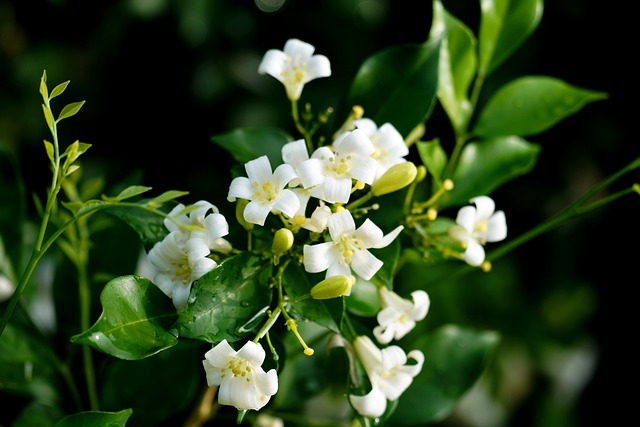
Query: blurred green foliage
{"type": "Point", "coordinates": [161, 77]}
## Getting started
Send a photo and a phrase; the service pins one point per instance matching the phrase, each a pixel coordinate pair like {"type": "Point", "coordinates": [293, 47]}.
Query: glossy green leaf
{"type": "Point", "coordinates": [485, 165]}
{"type": "Point", "coordinates": [96, 419]}
{"type": "Point", "coordinates": [398, 85]}
{"type": "Point", "coordinates": [245, 144]}
{"type": "Point", "coordinates": [70, 110]}
{"type": "Point", "coordinates": [225, 300]}
{"type": "Point", "coordinates": [134, 321]}
{"type": "Point", "coordinates": [530, 105]}
{"type": "Point", "coordinates": [455, 357]}
{"type": "Point", "coordinates": [505, 25]}
{"type": "Point", "coordinates": [327, 313]}
{"type": "Point", "coordinates": [457, 66]}
{"type": "Point", "coordinates": [433, 157]}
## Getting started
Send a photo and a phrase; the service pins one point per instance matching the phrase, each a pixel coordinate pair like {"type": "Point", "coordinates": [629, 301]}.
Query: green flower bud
{"type": "Point", "coordinates": [282, 241]}
{"type": "Point", "coordinates": [333, 287]}
{"type": "Point", "coordinates": [396, 177]}
{"type": "Point", "coordinates": [240, 205]}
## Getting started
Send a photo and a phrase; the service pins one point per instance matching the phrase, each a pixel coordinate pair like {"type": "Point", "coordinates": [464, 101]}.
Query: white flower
{"type": "Point", "coordinates": [477, 226]}
{"type": "Point", "coordinates": [390, 147]}
{"type": "Point", "coordinates": [294, 66]}
{"type": "Point", "coordinates": [239, 374]}
{"type": "Point", "coordinates": [348, 248]}
{"type": "Point", "coordinates": [179, 264]}
{"type": "Point", "coordinates": [265, 190]}
{"type": "Point", "coordinates": [398, 315]}
{"type": "Point", "coordinates": [330, 172]}
{"type": "Point", "coordinates": [201, 220]}
{"type": "Point", "coordinates": [388, 372]}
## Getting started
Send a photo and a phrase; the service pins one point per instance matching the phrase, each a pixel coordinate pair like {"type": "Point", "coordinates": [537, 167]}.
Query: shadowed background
{"type": "Point", "coordinates": [161, 77]}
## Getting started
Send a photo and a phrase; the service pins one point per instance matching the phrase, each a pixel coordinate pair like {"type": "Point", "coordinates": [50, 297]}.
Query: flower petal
{"type": "Point", "coordinates": [497, 227]}
{"type": "Point", "coordinates": [365, 264]}
{"type": "Point", "coordinates": [256, 213]}
{"type": "Point", "coordinates": [474, 254]}
{"type": "Point", "coordinates": [318, 257]}
{"type": "Point", "coordinates": [240, 188]}
{"type": "Point", "coordinates": [372, 404]}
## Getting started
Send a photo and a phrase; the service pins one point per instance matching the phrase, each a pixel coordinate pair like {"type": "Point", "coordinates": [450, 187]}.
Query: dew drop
{"type": "Point", "coordinates": [244, 303]}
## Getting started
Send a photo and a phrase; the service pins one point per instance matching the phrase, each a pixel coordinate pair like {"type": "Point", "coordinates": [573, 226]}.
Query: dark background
{"type": "Point", "coordinates": [161, 77]}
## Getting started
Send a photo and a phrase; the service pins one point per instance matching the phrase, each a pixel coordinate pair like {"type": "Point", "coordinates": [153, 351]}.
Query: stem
{"type": "Point", "coordinates": [84, 290]}
{"type": "Point", "coordinates": [296, 120]}
{"type": "Point", "coordinates": [38, 253]}
{"type": "Point", "coordinates": [575, 209]}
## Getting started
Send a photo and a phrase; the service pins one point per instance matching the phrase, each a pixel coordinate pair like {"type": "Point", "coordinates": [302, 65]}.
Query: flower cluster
{"type": "Point", "coordinates": [312, 204]}
{"type": "Point", "coordinates": [183, 256]}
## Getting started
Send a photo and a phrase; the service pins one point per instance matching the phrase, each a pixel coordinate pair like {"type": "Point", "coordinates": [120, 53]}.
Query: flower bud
{"type": "Point", "coordinates": [396, 177]}
{"type": "Point", "coordinates": [240, 205]}
{"type": "Point", "coordinates": [282, 241]}
{"type": "Point", "coordinates": [332, 287]}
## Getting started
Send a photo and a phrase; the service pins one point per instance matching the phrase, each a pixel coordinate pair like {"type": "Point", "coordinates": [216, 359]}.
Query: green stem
{"type": "Point", "coordinates": [296, 120]}
{"type": "Point", "coordinates": [575, 209]}
{"type": "Point", "coordinates": [84, 290]}
{"type": "Point", "coordinates": [38, 254]}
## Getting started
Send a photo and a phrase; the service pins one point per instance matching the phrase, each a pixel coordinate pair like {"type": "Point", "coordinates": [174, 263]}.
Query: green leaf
{"type": "Point", "coordinates": [433, 157]}
{"type": "Point", "coordinates": [48, 116]}
{"type": "Point", "coordinates": [398, 85]}
{"type": "Point", "coordinates": [96, 419]}
{"type": "Point", "coordinates": [58, 90]}
{"type": "Point", "coordinates": [485, 165]}
{"type": "Point", "coordinates": [166, 197]}
{"type": "Point", "coordinates": [127, 193]}
{"type": "Point", "coordinates": [43, 87]}
{"type": "Point", "coordinates": [246, 144]}
{"type": "Point", "coordinates": [70, 110]}
{"type": "Point", "coordinates": [226, 299]}
{"type": "Point", "coordinates": [177, 384]}
{"type": "Point", "coordinates": [134, 320]}
{"type": "Point", "coordinates": [75, 150]}
{"type": "Point", "coordinates": [530, 105]}
{"type": "Point", "coordinates": [455, 359]}
{"type": "Point", "coordinates": [363, 300]}
{"type": "Point", "coordinates": [27, 363]}
{"type": "Point", "coordinates": [48, 146]}
{"type": "Point", "coordinates": [327, 313]}
{"type": "Point", "coordinates": [148, 223]}
{"type": "Point", "coordinates": [505, 25]}
{"type": "Point", "coordinates": [457, 66]}
{"type": "Point", "coordinates": [389, 256]}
